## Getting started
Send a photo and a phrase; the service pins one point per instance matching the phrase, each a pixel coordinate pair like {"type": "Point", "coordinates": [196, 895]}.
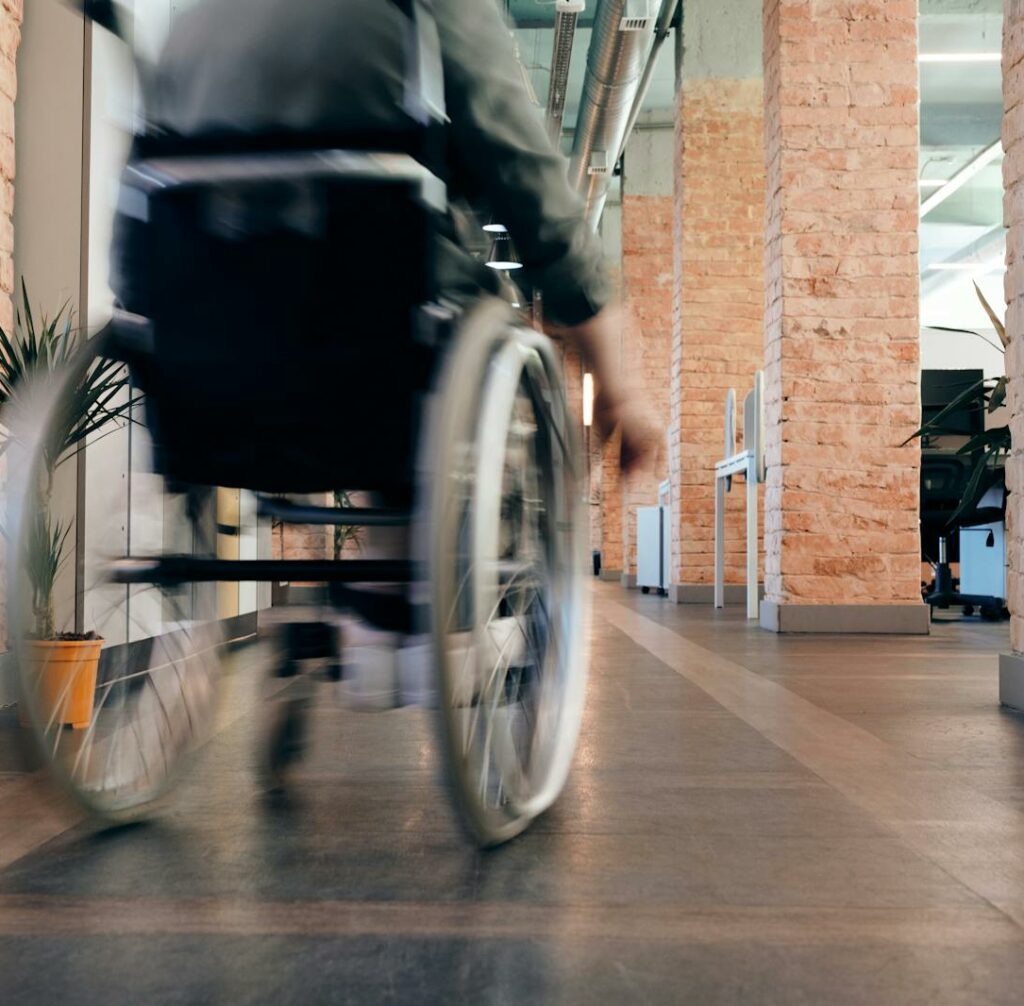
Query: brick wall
{"type": "Point", "coordinates": [1013, 177]}
{"type": "Point", "coordinates": [606, 469]}
{"type": "Point", "coordinates": [647, 280]}
{"type": "Point", "coordinates": [10, 37]}
{"type": "Point", "coordinates": [841, 326]}
{"type": "Point", "coordinates": [611, 506]}
{"type": "Point", "coordinates": [301, 541]}
{"type": "Point", "coordinates": [718, 322]}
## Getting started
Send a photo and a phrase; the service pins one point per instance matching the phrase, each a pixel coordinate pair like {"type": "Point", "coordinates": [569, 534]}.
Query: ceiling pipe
{"type": "Point", "coordinates": [567, 14]}
{"type": "Point", "coordinates": [661, 32]}
{"type": "Point", "coordinates": [620, 40]}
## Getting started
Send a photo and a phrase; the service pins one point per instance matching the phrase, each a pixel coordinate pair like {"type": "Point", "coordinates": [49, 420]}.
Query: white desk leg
{"type": "Point", "coordinates": [719, 542]}
{"type": "Point", "coordinates": [752, 598]}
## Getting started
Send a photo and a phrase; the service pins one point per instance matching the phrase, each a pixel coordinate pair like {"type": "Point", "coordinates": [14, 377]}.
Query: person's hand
{"type": "Point", "coordinates": [637, 441]}
{"type": "Point", "coordinates": [614, 407]}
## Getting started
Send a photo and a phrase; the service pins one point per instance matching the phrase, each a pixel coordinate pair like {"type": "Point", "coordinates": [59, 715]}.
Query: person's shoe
{"type": "Point", "coordinates": [414, 661]}
{"type": "Point", "coordinates": [385, 670]}
{"type": "Point", "coordinates": [368, 672]}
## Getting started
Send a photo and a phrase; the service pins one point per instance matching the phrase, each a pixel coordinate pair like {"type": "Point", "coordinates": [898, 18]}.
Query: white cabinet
{"type": "Point", "coordinates": [653, 548]}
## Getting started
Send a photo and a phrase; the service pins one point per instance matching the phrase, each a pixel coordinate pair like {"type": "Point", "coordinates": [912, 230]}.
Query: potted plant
{"type": "Point", "coordinates": [65, 664]}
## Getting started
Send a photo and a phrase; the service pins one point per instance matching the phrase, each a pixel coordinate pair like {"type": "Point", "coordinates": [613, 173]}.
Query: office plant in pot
{"type": "Point", "coordinates": [64, 664]}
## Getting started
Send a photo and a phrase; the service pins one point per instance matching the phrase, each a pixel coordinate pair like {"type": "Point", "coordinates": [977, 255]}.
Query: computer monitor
{"type": "Point", "coordinates": [939, 388]}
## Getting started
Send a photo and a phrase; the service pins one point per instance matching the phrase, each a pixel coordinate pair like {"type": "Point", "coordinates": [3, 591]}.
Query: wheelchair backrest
{"type": "Point", "coordinates": [282, 293]}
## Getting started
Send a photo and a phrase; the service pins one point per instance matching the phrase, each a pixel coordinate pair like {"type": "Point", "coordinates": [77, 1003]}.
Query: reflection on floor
{"type": "Point", "coordinates": [751, 819]}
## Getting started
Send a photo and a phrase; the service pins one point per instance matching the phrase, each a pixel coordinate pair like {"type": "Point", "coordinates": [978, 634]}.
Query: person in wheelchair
{"type": "Point", "coordinates": [282, 73]}
{"type": "Point", "coordinates": [338, 68]}
{"type": "Point", "coordinates": [297, 317]}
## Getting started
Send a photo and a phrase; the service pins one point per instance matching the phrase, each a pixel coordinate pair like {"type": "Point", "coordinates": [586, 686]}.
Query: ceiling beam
{"type": "Point", "coordinates": [961, 178]}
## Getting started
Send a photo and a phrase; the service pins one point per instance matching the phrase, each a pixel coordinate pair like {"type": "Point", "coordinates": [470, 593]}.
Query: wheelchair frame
{"type": "Point", "coordinates": [498, 788]}
{"type": "Point", "coordinates": [540, 605]}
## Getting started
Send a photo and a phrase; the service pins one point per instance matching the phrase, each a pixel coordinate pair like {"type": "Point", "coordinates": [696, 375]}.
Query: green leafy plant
{"type": "Point", "coordinates": [988, 449]}
{"type": "Point", "coordinates": [343, 533]}
{"type": "Point", "coordinates": [97, 394]}
{"type": "Point", "coordinates": [44, 555]}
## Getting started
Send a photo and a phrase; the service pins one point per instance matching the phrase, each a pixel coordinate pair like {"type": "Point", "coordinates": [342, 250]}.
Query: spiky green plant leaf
{"type": "Point", "coordinates": [99, 398]}
{"type": "Point", "coordinates": [996, 323]}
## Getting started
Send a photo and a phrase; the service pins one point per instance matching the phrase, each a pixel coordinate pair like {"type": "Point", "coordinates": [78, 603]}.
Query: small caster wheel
{"type": "Point", "coordinates": [645, 590]}
{"type": "Point", "coordinates": [968, 610]}
{"type": "Point", "coordinates": [990, 613]}
{"type": "Point", "coordinates": [285, 741]}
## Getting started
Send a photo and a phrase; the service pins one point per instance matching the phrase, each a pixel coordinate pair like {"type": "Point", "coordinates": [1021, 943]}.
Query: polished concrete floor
{"type": "Point", "coordinates": [751, 819]}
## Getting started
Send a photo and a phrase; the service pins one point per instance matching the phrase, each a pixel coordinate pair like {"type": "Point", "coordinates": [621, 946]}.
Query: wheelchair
{"type": "Point", "coordinates": [287, 337]}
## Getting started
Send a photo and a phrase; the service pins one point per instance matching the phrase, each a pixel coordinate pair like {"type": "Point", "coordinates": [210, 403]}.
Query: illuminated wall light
{"type": "Point", "coordinates": [588, 400]}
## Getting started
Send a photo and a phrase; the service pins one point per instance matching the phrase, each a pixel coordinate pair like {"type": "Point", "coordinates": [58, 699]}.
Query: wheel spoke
{"type": "Point", "coordinates": [158, 669]}
{"type": "Point", "coordinates": [512, 549]}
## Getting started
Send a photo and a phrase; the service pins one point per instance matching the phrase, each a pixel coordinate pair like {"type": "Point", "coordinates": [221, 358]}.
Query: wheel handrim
{"type": "Point", "coordinates": [154, 686]}
{"type": "Point", "coordinates": [509, 624]}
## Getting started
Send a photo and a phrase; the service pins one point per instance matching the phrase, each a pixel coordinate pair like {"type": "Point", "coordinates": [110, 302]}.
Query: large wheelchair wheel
{"type": "Point", "coordinates": [113, 730]}
{"type": "Point", "coordinates": [505, 565]}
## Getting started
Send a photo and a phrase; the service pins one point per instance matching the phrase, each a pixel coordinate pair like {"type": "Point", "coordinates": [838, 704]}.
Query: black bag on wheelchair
{"type": "Point", "coordinates": [279, 299]}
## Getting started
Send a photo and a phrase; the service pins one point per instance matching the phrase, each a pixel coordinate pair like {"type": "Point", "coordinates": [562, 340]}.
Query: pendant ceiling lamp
{"type": "Point", "coordinates": [503, 254]}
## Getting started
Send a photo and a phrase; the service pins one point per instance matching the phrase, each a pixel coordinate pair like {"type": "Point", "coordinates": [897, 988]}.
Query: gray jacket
{"type": "Point", "coordinates": [333, 66]}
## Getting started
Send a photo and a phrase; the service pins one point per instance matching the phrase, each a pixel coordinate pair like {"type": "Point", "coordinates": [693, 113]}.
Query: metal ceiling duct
{"type": "Point", "coordinates": [567, 13]}
{"type": "Point", "coordinates": [621, 39]}
{"type": "Point", "coordinates": [661, 33]}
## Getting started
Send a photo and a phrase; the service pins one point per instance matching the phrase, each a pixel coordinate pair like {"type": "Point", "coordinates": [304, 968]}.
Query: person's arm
{"type": "Point", "coordinates": [502, 151]}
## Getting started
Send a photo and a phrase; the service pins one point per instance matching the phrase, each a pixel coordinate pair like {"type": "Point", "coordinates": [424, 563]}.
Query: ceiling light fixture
{"type": "Point", "coordinates": [961, 57]}
{"type": "Point", "coordinates": [503, 255]}
{"type": "Point", "coordinates": [588, 400]}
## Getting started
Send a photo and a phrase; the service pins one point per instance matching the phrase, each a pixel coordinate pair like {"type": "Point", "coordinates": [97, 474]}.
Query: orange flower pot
{"type": "Point", "coordinates": [65, 675]}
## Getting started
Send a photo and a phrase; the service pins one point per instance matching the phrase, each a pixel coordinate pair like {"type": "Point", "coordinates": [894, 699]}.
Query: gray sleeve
{"type": "Point", "coordinates": [503, 149]}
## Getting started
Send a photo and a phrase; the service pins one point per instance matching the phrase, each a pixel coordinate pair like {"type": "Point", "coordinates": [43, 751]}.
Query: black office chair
{"type": "Point", "coordinates": [944, 482]}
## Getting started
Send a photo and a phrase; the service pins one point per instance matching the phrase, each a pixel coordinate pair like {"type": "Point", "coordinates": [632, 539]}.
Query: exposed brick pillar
{"type": "Point", "coordinates": [611, 509]}
{"type": "Point", "coordinates": [605, 473]}
{"type": "Point", "coordinates": [841, 327]}
{"type": "Point", "coordinates": [591, 455]}
{"type": "Point", "coordinates": [1011, 668]}
{"type": "Point", "coordinates": [647, 211]}
{"type": "Point", "coordinates": [718, 332]}
{"type": "Point", "coordinates": [10, 38]}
